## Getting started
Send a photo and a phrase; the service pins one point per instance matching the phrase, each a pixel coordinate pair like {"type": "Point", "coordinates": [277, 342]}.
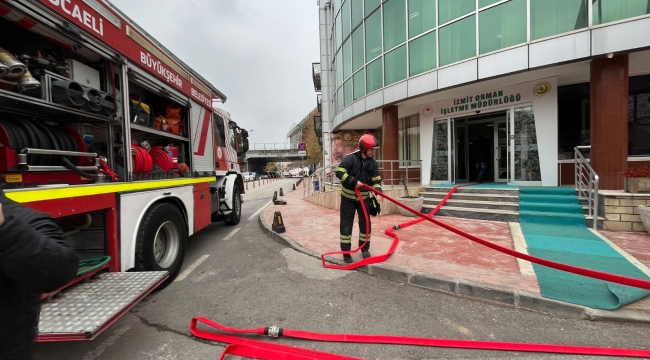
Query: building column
{"type": "Point", "coordinates": [390, 129]}
{"type": "Point", "coordinates": [609, 119]}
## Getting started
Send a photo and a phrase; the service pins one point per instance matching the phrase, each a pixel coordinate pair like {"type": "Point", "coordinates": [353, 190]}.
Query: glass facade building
{"type": "Point", "coordinates": [533, 78]}
{"type": "Point", "coordinates": [379, 43]}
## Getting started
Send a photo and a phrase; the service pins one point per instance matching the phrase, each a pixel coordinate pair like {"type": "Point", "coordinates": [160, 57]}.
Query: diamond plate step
{"type": "Point", "coordinates": [85, 310]}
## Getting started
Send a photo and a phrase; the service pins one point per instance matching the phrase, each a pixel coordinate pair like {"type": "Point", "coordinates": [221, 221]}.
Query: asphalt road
{"type": "Point", "coordinates": [243, 279]}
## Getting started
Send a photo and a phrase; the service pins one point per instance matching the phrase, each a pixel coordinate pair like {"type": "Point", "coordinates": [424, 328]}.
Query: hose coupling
{"type": "Point", "coordinates": [274, 331]}
{"type": "Point", "coordinates": [396, 227]}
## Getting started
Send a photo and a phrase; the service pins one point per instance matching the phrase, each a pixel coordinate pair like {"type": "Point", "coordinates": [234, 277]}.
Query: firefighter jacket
{"type": "Point", "coordinates": [354, 168]}
{"type": "Point", "coordinates": [34, 259]}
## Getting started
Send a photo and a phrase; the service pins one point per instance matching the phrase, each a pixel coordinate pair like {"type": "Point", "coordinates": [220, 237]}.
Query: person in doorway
{"type": "Point", "coordinates": [482, 157]}
{"type": "Point", "coordinates": [356, 169]}
{"type": "Point", "coordinates": [34, 259]}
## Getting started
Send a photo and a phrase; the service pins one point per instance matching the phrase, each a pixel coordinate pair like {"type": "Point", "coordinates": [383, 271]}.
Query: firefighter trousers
{"type": "Point", "coordinates": [348, 209]}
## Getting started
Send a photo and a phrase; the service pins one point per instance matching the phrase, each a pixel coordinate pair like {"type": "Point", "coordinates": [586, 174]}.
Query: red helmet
{"type": "Point", "coordinates": [368, 141]}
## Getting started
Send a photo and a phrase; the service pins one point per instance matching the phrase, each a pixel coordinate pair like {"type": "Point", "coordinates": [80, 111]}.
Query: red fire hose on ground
{"type": "Point", "coordinates": [265, 350]}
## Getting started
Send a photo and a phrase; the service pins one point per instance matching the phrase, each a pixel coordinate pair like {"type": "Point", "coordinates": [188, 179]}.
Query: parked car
{"type": "Point", "coordinates": [248, 176]}
{"type": "Point", "coordinates": [264, 175]}
{"type": "Point", "coordinates": [286, 174]}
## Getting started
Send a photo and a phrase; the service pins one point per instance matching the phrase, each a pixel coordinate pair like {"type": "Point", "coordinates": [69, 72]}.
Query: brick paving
{"type": "Point", "coordinates": [429, 249]}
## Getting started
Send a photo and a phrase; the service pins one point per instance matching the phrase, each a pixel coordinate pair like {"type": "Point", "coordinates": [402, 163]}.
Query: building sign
{"type": "Point", "coordinates": [480, 101]}
{"type": "Point", "coordinates": [488, 99]}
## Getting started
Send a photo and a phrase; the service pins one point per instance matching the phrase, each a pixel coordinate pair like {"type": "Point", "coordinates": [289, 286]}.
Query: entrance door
{"type": "Point", "coordinates": [501, 153]}
{"type": "Point", "coordinates": [462, 154]}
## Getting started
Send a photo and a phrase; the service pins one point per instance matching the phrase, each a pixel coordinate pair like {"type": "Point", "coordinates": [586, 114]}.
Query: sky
{"type": "Point", "coordinates": [258, 53]}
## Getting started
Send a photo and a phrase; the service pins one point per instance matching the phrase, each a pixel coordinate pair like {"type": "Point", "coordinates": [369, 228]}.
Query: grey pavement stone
{"type": "Point", "coordinates": [532, 301]}
{"type": "Point", "coordinates": [486, 292]}
{"type": "Point", "coordinates": [390, 272]}
{"type": "Point", "coordinates": [434, 282]}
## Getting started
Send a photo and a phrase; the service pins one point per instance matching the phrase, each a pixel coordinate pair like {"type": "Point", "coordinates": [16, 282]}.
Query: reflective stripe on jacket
{"type": "Point", "coordinates": [354, 168]}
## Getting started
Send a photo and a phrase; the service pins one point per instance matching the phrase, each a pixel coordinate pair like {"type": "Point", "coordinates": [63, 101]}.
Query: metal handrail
{"type": "Point", "coordinates": [587, 183]}
{"type": "Point", "coordinates": [409, 167]}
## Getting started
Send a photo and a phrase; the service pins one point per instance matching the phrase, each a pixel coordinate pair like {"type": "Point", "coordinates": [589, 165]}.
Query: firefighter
{"type": "Point", "coordinates": [34, 259]}
{"type": "Point", "coordinates": [356, 169]}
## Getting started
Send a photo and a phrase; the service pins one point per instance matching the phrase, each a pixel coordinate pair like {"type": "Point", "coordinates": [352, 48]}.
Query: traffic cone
{"type": "Point", "coordinates": [281, 193]}
{"type": "Point", "coordinates": [275, 196]}
{"type": "Point", "coordinates": [278, 224]}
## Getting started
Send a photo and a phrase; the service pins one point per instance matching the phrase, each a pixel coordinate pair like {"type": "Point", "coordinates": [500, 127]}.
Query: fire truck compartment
{"type": "Point", "coordinates": [85, 310]}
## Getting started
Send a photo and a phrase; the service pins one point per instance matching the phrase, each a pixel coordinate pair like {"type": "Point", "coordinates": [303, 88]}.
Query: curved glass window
{"type": "Point", "coordinates": [345, 18]}
{"type": "Point", "coordinates": [339, 69]}
{"type": "Point", "coordinates": [374, 76]}
{"type": "Point", "coordinates": [502, 26]}
{"type": "Point", "coordinates": [484, 3]}
{"type": "Point", "coordinates": [422, 16]}
{"type": "Point", "coordinates": [370, 6]}
{"type": "Point", "coordinates": [359, 80]}
{"type": "Point", "coordinates": [373, 36]}
{"type": "Point", "coordinates": [339, 32]}
{"type": "Point", "coordinates": [422, 54]}
{"type": "Point", "coordinates": [452, 9]}
{"type": "Point", "coordinates": [458, 41]}
{"type": "Point", "coordinates": [553, 17]}
{"type": "Point", "coordinates": [347, 58]}
{"type": "Point", "coordinates": [357, 12]}
{"type": "Point", "coordinates": [347, 92]}
{"type": "Point", "coordinates": [605, 11]}
{"type": "Point", "coordinates": [357, 49]}
{"type": "Point", "coordinates": [395, 67]}
{"type": "Point", "coordinates": [394, 23]}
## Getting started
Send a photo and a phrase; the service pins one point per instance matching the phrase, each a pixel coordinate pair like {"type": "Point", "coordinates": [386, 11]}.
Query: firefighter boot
{"type": "Point", "coordinates": [346, 257]}
{"type": "Point", "coordinates": [366, 249]}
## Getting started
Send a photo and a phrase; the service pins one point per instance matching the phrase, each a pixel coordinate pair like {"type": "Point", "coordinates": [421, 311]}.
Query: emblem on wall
{"type": "Point", "coordinates": [427, 111]}
{"type": "Point", "coordinates": [542, 89]}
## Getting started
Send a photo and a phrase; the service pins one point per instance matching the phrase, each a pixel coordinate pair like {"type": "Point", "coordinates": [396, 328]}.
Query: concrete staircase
{"type": "Point", "coordinates": [495, 204]}
{"type": "Point", "coordinates": [498, 204]}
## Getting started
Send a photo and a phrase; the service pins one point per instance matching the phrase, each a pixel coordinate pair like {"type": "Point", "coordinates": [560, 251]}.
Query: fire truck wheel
{"type": "Point", "coordinates": [235, 216]}
{"type": "Point", "coordinates": [161, 241]}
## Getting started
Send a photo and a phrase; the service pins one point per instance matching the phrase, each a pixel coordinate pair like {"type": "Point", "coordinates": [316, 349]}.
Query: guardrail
{"type": "Point", "coordinates": [391, 171]}
{"type": "Point", "coordinates": [587, 182]}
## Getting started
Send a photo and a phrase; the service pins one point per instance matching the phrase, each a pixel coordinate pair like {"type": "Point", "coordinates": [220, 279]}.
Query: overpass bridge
{"type": "Point", "coordinates": [259, 154]}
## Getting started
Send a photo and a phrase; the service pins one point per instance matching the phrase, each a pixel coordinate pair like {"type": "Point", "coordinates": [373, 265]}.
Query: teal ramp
{"type": "Point", "coordinates": [554, 228]}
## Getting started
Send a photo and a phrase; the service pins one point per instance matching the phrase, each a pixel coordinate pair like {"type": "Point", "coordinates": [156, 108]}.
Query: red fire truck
{"type": "Point", "coordinates": [116, 138]}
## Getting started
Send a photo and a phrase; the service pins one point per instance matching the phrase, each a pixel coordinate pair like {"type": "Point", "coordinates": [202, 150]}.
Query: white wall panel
{"type": "Point", "coordinates": [423, 84]}
{"type": "Point", "coordinates": [503, 62]}
{"type": "Point", "coordinates": [395, 92]}
{"type": "Point", "coordinates": [560, 49]}
{"type": "Point", "coordinates": [457, 74]}
{"type": "Point", "coordinates": [359, 107]}
{"type": "Point", "coordinates": [621, 37]}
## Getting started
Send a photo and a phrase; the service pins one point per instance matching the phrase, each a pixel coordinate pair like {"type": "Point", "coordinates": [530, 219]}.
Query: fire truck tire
{"type": "Point", "coordinates": [235, 216]}
{"type": "Point", "coordinates": [161, 241]}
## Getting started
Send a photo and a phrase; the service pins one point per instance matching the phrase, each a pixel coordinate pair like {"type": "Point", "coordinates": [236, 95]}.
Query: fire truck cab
{"type": "Point", "coordinates": [118, 140]}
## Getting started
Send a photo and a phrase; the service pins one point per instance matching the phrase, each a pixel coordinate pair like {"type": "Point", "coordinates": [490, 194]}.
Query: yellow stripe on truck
{"type": "Point", "coordinates": [32, 195]}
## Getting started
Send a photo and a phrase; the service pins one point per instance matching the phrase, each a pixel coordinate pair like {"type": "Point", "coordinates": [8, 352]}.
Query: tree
{"type": "Point", "coordinates": [270, 166]}
{"type": "Point", "coordinates": [314, 150]}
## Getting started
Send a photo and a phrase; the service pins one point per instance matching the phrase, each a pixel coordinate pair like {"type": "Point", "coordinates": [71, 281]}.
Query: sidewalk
{"type": "Point", "coordinates": [435, 258]}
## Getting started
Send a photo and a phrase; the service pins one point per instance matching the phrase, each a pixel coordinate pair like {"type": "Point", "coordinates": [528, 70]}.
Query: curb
{"type": "Point", "coordinates": [513, 298]}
